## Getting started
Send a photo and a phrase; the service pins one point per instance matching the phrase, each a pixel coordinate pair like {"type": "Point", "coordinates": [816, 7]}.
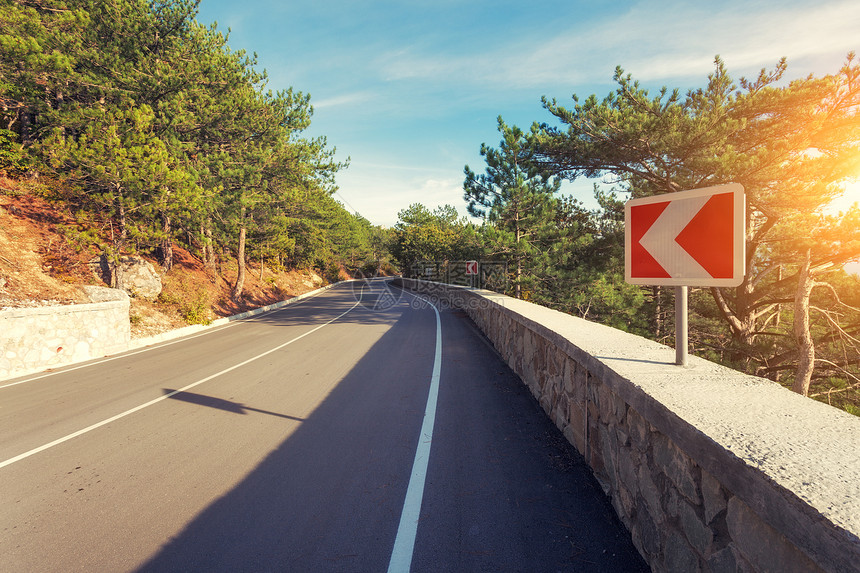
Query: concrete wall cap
{"type": "Point", "coordinates": [104, 294]}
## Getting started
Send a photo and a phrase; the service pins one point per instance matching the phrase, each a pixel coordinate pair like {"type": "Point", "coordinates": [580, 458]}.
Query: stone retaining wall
{"type": "Point", "coordinates": [33, 339]}
{"type": "Point", "coordinates": [710, 469]}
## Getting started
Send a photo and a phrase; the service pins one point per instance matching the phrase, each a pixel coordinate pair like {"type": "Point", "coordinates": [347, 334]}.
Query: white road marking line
{"type": "Point", "coordinates": [59, 441]}
{"type": "Point", "coordinates": [404, 543]}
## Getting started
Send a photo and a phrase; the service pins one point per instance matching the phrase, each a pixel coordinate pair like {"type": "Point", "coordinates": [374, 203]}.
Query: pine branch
{"type": "Point", "coordinates": [835, 324]}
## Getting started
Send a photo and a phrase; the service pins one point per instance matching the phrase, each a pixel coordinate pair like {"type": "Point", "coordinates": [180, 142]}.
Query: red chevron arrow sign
{"type": "Point", "coordinates": [691, 238]}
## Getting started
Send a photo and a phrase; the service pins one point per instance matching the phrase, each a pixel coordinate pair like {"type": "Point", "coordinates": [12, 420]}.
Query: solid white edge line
{"type": "Point", "coordinates": [59, 441]}
{"type": "Point", "coordinates": [404, 543]}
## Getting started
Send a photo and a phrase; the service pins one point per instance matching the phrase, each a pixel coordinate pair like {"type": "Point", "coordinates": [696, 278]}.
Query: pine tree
{"type": "Point", "coordinates": [788, 145]}
{"type": "Point", "coordinates": [433, 236]}
{"type": "Point", "coordinates": [164, 132]}
{"type": "Point", "coordinates": [518, 202]}
{"type": "Point", "coordinates": [39, 42]}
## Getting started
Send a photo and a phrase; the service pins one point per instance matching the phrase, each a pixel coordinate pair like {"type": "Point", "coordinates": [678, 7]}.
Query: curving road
{"type": "Point", "coordinates": [299, 440]}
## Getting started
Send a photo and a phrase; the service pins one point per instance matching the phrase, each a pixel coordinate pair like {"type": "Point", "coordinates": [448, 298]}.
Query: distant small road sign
{"type": "Point", "coordinates": [471, 267]}
{"type": "Point", "coordinates": [690, 238]}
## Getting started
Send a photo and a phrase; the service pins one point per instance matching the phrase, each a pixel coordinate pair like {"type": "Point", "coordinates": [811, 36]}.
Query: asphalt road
{"type": "Point", "coordinates": [287, 442]}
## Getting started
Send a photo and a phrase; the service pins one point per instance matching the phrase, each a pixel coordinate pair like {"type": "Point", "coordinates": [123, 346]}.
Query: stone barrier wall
{"type": "Point", "coordinates": [710, 469]}
{"type": "Point", "coordinates": [33, 339]}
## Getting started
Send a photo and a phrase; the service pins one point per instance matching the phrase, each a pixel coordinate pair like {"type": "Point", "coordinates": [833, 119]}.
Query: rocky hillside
{"type": "Point", "coordinates": [43, 262]}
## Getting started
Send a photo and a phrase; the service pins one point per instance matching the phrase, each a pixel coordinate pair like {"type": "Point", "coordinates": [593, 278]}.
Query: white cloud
{"type": "Point", "coordinates": [654, 40]}
{"type": "Point", "coordinates": [379, 191]}
{"type": "Point", "coordinates": [745, 38]}
{"type": "Point", "coordinates": [345, 99]}
{"type": "Point", "coordinates": [437, 192]}
{"type": "Point", "coordinates": [401, 167]}
{"type": "Point", "coordinates": [411, 100]}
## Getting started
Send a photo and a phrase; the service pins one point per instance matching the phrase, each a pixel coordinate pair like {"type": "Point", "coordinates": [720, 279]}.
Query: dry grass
{"type": "Point", "coordinates": [40, 265]}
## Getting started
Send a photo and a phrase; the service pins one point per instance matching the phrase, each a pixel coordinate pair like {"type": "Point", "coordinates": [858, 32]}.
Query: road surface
{"type": "Point", "coordinates": [288, 442]}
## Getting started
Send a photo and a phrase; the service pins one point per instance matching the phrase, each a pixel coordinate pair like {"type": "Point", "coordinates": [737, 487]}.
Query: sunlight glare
{"type": "Point", "coordinates": [849, 197]}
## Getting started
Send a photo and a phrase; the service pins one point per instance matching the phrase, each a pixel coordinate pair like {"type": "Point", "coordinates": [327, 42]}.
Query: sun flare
{"type": "Point", "coordinates": [849, 197]}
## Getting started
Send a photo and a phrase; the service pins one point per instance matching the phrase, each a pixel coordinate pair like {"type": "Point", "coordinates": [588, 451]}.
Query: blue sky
{"type": "Point", "coordinates": [410, 90]}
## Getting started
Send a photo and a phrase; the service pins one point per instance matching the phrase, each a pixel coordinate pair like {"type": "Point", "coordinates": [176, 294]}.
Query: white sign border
{"type": "Point", "coordinates": [738, 239]}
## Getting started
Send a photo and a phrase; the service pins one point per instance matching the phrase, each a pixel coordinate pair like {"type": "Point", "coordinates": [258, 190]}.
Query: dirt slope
{"type": "Point", "coordinates": [41, 265]}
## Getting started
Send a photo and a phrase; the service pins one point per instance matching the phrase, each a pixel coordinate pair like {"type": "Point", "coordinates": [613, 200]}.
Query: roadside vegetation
{"type": "Point", "coordinates": [147, 134]}
{"type": "Point", "coordinates": [152, 132]}
{"type": "Point", "coordinates": [793, 146]}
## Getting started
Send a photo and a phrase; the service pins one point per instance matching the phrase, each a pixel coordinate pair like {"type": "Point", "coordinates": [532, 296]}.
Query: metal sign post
{"type": "Point", "coordinates": [684, 239]}
{"type": "Point", "coordinates": [681, 345]}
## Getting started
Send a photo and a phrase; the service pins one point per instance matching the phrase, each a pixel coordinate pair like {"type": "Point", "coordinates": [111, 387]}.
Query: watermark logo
{"type": "Point", "coordinates": [488, 275]}
{"type": "Point", "coordinates": [381, 293]}
{"type": "Point", "coordinates": [375, 293]}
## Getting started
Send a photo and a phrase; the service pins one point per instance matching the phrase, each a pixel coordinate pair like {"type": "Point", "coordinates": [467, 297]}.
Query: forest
{"type": "Point", "coordinates": [793, 146]}
{"type": "Point", "coordinates": [154, 132]}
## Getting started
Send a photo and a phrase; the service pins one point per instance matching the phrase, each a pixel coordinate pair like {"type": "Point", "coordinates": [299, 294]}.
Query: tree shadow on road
{"type": "Point", "coordinates": [329, 497]}
{"type": "Point", "coordinates": [220, 403]}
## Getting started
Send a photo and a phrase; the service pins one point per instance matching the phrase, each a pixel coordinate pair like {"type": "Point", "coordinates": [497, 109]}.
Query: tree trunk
{"type": "Point", "coordinates": [116, 276]}
{"type": "Point", "coordinates": [59, 100]}
{"type": "Point", "coordinates": [25, 122]}
{"type": "Point", "coordinates": [262, 262]}
{"type": "Point", "coordinates": [778, 307]}
{"type": "Point", "coordinates": [742, 319]}
{"type": "Point", "coordinates": [240, 259]}
{"type": "Point", "coordinates": [166, 245]}
{"type": "Point", "coordinates": [119, 243]}
{"type": "Point", "coordinates": [802, 335]}
{"type": "Point", "coordinates": [518, 289]}
{"type": "Point", "coordinates": [208, 247]}
{"type": "Point", "coordinates": [120, 212]}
